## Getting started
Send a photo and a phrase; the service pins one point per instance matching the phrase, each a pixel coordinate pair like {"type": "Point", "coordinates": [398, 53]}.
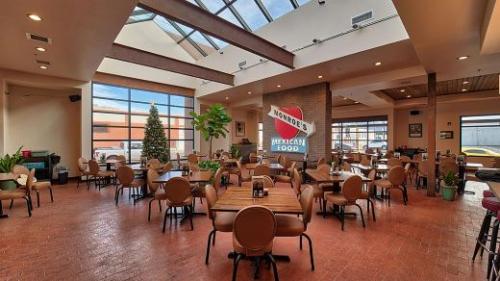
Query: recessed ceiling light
{"type": "Point", "coordinates": [320, 76]}
{"type": "Point", "coordinates": [402, 90]}
{"type": "Point", "coordinates": [408, 96]}
{"type": "Point", "coordinates": [378, 63]}
{"type": "Point", "coordinates": [43, 67]}
{"type": "Point", "coordinates": [356, 102]}
{"type": "Point", "coordinates": [279, 86]}
{"type": "Point", "coordinates": [249, 92]}
{"type": "Point", "coordinates": [462, 57]}
{"type": "Point", "coordinates": [41, 49]}
{"type": "Point", "coordinates": [345, 98]}
{"type": "Point", "coordinates": [227, 98]}
{"type": "Point", "coordinates": [34, 17]}
{"type": "Point", "coordinates": [464, 90]}
{"type": "Point", "coordinates": [466, 82]}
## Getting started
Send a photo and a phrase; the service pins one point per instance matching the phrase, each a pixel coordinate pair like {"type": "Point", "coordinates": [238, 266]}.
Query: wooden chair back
{"type": "Point", "coordinates": [125, 175]}
{"type": "Point", "coordinates": [177, 190]}
{"type": "Point", "coordinates": [254, 228]}
{"type": "Point", "coordinates": [262, 170]}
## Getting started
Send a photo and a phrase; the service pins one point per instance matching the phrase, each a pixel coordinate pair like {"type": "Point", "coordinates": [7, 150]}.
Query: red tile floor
{"type": "Point", "coordinates": [83, 236]}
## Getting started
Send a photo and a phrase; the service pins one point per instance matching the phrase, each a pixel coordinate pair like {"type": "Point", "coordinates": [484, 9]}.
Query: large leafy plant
{"type": "Point", "coordinates": [450, 179]}
{"type": "Point", "coordinates": [209, 165]}
{"type": "Point", "coordinates": [7, 162]}
{"type": "Point", "coordinates": [212, 123]}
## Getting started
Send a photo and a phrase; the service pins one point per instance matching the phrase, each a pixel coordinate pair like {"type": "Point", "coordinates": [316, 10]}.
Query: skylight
{"type": "Point", "coordinates": [247, 14]}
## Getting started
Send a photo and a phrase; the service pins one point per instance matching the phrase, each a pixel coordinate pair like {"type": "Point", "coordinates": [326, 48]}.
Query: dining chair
{"type": "Point", "coordinates": [262, 170]}
{"type": "Point", "coordinates": [38, 186]}
{"type": "Point", "coordinates": [365, 160]}
{"type": "Point", "coordinates": [392, 162]}
{"type": "Point", "coordinates": [254, 229]}
{"type": "Point", "coordinates": [236, 170]}
{"type": "Point", "coordinates": [369, 192]}
{"type": "Point", "coordinates": [221, 221]}
{"type": "Point", "coordinates": [288, 177]}
{"type": "Point", "coordinates": [126, 179]}
{"type": "Point", "coordinates": [154, 189]}
{"type": "Point", "coordinates": [83, 168]}
{"type": "Point", "coordinates": [267, 181]}
{"type": "Point", "coordinates": [97, 175]}
{"type": "Point", "coordinates": [20, 193]}
{"type": "Point", "coordinates": [167, 167]}
{"type": "Point", "coordinates": [243, 177]}
{"type": "Point", "coordinates": [346, 167]}
{"type": "Point", "coordinates": [395, 180]}
{"type": "Point", "coordinates": [252, 157]}
{"type": "Point", "coordinates": [299, 187]}
{"type": "Point", "coordinates": [422, 172]}
{"type": "Point", "coordinates": [192, 159]}
{"type": "Point", "coordinates": [351, 192]}
{"type": "Point", "coordinates": [178, 195]}
{"type": "Point", "coordinates": [291, 226]}
{"type": "Point", "coordinates": [153, 164]}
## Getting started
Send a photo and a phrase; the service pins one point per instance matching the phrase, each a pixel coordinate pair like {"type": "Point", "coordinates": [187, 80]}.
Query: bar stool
{"type": "Point", "coordinates": [495, 269]}
{"type": "Point", "coordinates": [492, 206]}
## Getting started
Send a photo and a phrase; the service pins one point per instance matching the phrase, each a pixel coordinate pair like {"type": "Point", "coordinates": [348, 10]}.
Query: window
{"type": "Point", "coordinates": [119, 115]}
{"type": "Point", "coordinates": [260, 141]}
{"type": "Point", "coordinates": [480, 135]}
{"type": "Point", "coordinates": [360, 134]}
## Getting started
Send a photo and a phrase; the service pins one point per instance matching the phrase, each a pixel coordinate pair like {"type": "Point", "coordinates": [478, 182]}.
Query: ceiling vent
{"type": "Point", "coordinates": [38, 38]}
{"type": "Point", "coordinates": [359, 19]}
{"type": "Point", "coordinates": [43, 62]}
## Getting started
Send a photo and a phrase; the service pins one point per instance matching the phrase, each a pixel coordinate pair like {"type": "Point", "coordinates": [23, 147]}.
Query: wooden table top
{"type": "Point", "coordinates": [7, 176]}
{"type": "Point", "coordinates": [138, 167]}
{"type": "Point", "coordinates": [201, 176]}
{"type": "Point", "coordinates": [324, 177]}
{"type": "Point", "coordinates": [495, 188]}
{"type": "Point", "coordinates": [379, 167]}
{"type": "Point", "coordinates": [279, 200]}
{"type": "Point", "coordinates": [272, 166]}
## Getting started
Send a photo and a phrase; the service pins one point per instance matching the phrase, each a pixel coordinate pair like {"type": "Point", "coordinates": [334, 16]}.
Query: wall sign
{"type": "Point", "coordinates": [289, 122]}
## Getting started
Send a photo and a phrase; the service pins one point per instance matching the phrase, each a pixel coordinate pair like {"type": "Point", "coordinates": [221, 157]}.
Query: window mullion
{"type": "Point", "coordinates": [264, 10]}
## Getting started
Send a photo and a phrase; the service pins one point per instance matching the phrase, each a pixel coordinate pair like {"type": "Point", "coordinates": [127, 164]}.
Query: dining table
{"type": "Point", "coordinates": [381, 168]}
{"type": "Point", "coordinates": [272, 166]}
{"type": "Point", "coordinates": [192, 177]}
{"type": "Point", "coordinates": [5, 177]}
{"type": "Point", "coordinates": [113, 162]}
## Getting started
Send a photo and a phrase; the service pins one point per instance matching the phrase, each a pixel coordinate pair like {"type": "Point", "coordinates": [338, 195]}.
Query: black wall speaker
{"type": "Point", "coordinates": [74, 98]}
{"type": "Point", "coordinates": [414, 112]}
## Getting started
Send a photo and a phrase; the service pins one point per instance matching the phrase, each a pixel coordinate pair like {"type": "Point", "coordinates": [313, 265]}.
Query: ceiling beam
{"type": "Point", "coordinates": [137, 56]}
{"type": "Point", "coordinates": [195, 17]}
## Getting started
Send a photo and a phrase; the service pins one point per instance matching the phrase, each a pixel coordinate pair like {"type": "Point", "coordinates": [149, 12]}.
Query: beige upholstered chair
{"type": "Point", "coordinates": [97, 175]}
{"type": "Point", "coordinates": [291, 226]}
{"type": "Point", "coordinates": [20, 193]}
{"type": "Point", "coordinates": [153, 164]}
{"type": "Point", "coordinates": [154, 189]}
{"type": "Point", "coordinates": [243, 177]}
{"type": "Point", "coordinates": [178, 195]}
{"type": "Point", "coordinates": [423, 172]}
{"type": "Point", "coordinates": [83, 167]}
{"type": "Point", "coordinates": [125, 176]}
{"type": "Point", "coordinates": [366, 194]}
{"type": "Point", "coordinates": [392, 162]}
{"type": "Point", "coordinates": [192, 159]}
{"type": "Point", "coordinates": [262, 170]}
{"type": "Point", "coordinates": [321, 161]}
{"type": "Point", "coordinates": [317, 189]}
{"type": "Point", "coordinates": [351, 192]}
{"type": "Point", "coordinates": [287, 178]}
{"type": "Point", "coordinates": [40, 185]}
{"type": "Point", "coordinates": [395, 180]}
{"type": "Point", "coordinates": [221, 221]}
{"type": "Point", "coordinates": [167, 167]}
{"type": "Point", "coordinates": [405, 159]}
{"type": "Point", "coordinates": [254, 229]}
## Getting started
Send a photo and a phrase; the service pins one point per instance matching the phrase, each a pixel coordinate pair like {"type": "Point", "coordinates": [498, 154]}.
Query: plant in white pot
{"type": "Point", "coordinates": [7, 162]}
{"type": "Point", "coordinates": [449, 186]}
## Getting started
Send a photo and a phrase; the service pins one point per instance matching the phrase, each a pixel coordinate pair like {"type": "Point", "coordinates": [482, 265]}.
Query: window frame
{"type": "Point", "coordinates": [461, 126]}
{"type": "Point", "coordinates": [364, 123]}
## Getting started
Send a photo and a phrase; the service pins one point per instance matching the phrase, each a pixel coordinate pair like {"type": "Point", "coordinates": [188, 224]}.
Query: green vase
{"type": "Point", "coordinates": [8, 185]}
{"type": "Point", "coordinates": [448, 192]}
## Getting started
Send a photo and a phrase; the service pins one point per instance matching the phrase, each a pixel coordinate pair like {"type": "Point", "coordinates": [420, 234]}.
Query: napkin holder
{"type": "Point", "coordinates": [258, 187]}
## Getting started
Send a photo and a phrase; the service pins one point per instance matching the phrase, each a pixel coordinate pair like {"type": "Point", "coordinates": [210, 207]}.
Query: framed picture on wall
{"type": "Point", "coordinates": [446, 135]}
{"type": "Point", "coordinates": [239, 128]}
{"type": "Point", "coordinates": [415, 130]}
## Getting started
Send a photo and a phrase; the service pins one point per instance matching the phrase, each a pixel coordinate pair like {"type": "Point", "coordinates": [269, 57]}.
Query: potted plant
{"type": "Point", "coordinates": [235, 152]}
{"type": "Point", "coordinates": [449, 186]}
{"type": "Point", "coordinates": [209, 165]}
{"type": "Point", "coordinates": [7, 162]}
{"type": "Point", "coordinates": [212, 123]}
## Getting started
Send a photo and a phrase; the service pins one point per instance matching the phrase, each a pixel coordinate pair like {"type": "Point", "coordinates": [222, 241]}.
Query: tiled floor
{"type": "Point", "coordinates": [83, 236]}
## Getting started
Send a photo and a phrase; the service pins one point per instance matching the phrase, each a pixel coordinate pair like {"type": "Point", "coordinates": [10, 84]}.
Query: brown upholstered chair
{"type": "Point", "coordinates": [423, 172]}
{"type": "Point", "coordinates": [268, 182]}
{"type": "Point", "coordinates": [243, 177]}
{"type": "Point", "coordinates": [262, 170]}
{"type": "Point", "coordinates": [38, 186]}
{"type": "Point", "coordinates": [392, 162]}
{"type": "Point", "coordinates": [287, 178]}
{"type": "Point", "coordinates": [317, 189]}
{"type": "Point", "coordinates": [321, 161]}
{"type": "Point", "coordinates": [83, 168]}
{"type": "Point", "coordinates": [221, 221]}
{"type": "Point", "coordinates": [153, 164]}
{"type": "Point", "coordinates": [192, 159]}
{"type": "Point", "coordinates": [20, 193]}
{"type": "Point", "coordinates": [291, 226]}
{"type": "Point", "coordinates": [97, 175]}
{"type": "Point", "coordinates": [125, 176]}
{"type": "Point", "coordinates": [369, 192]}
{"type": "Point", "coordinates": [254, 229]}
{"type": "Point", "coordinates": [365, 160]}
{"type": "Point", "coordinates": [405, 159]}
{"type": "Point", "coordinates": [351, 192]}
{"type": "Point", "coordinates": [154, 189]}
{"type": "Point", "coordinates": [178, 195]}
{"type": "Point", "coordinates": [167, 167]}
{"type": "Point", "coordinates": [395, 180]}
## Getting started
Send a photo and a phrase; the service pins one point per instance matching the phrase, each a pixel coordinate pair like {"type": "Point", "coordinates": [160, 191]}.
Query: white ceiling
{"type": "Point", "coordinates": [82, 31]}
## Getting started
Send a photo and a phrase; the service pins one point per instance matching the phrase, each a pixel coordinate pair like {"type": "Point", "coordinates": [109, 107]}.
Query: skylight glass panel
{"type": "Point", "coordinates": [200, 40]}
{"type": "Point", "coordinates": [302, 2]}
{"type": "Point", "coordinates": [221, 44]}
{"type": "Point", "coordinates": [229, 16]}
{"type": "Point", "coordinates": [166, 26]}
{"type": "Point", "coordinates": [278, 8]}
{"type": "Point", "coordinates": [184, 28]}
{"type": "Point", "coordinates": [140, 15]}
{"type": "Point", "coordinates": [251, 13]}
{"type": "Point", "coordinates": [212, 5]}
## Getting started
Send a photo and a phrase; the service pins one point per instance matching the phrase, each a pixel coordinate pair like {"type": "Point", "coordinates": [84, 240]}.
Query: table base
{"type": "Point", "coordinates": [2, 215]}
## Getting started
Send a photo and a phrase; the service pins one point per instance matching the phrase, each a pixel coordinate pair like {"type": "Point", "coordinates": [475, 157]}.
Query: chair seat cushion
{"type": "Point", "coordinates": [491, 204]}
{"type": "Point", "coordinates": [250, 252]}
{"type": "Point", "coordinates": [336, 198]}
{"type": "Point", "coordinates": [317, 190]}
{"type": "Point", "coordinates": [288, 226]}
{"type": "Point", "coordinates": [283, 178]}
{"type": "Point", "coordinates": [106, 174]}
{"type": "Point", "coordinates": [39, 185]}
{"type": "Point", "coordinates": [383, 183]}
{"type": "Point", "coordinates": [487, 193]}
{"type": "Point", "coordinates": [364, 195]}
{"type": "Point", "coordinates": [224, 221]}
{"type": "Point", "coordinates": [187, 202]}
{"type": "Point", "coordinates": [14, 194]}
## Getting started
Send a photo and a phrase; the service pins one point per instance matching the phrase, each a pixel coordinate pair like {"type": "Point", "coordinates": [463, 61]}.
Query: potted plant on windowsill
{"type": "Point", "coordinates": [449, 186]}
{"type": "Point", "coordinates": [7, 162]}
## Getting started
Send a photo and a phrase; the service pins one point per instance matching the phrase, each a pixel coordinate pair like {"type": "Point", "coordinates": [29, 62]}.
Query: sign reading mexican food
{"type": "Point", "coordinates": [288, 123]}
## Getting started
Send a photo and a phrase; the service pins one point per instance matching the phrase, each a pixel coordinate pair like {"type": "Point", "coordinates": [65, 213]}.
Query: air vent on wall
{"type": "Point", "coordinates": [355, 21]}
{"type": "Point", "coordinates": [38, 38]}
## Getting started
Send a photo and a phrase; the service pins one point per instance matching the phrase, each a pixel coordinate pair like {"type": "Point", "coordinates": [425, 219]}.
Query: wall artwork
{"type": "Point", "coordinates": [239, 128]}
{"type": "Point", "coordinates": [415, 130]}
{"type": "Point", "coordinates": [446, 135]}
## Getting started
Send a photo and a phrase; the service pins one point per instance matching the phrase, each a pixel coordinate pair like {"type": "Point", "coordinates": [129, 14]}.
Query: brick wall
{"type": "Point", "coordinates": [316, 104]}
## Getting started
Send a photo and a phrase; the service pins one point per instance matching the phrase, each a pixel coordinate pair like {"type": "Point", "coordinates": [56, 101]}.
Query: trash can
{"type": "Point", "coordinates": [63, 177]}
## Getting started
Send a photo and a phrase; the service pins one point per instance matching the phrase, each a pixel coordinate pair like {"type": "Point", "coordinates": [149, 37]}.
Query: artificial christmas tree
{"type": "Point", "coordinates": [154, 145]}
